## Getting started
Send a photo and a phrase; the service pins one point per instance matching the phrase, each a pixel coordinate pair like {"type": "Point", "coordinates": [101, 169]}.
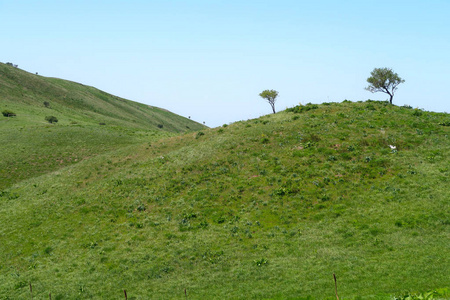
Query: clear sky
{"type": "Point", "coordinates": [210, 59]}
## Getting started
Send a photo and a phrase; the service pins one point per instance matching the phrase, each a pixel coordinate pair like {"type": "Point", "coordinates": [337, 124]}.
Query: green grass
{"type": "Point", "coordinates": [25, 93]}
{"type": "Point", "coordinates": [90, 122]}
{"type": "Point", "coordinates": [264, 209]}
{"type": "Point", "coordinates": [28, 151]}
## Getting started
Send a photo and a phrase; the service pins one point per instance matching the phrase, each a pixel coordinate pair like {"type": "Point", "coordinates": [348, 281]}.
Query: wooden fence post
{"type": "Point", "coordinates": [335, 286]}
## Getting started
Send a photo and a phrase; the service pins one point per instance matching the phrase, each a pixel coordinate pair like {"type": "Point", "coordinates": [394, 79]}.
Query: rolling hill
{"type": "Point", "coordinates": [268, 208]}
{"type": "Point", "coordinates": [90, 122]}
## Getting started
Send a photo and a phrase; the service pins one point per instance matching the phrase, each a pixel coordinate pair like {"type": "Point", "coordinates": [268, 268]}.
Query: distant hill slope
{"type": "Point", "coordinates": [70, 102]}
{"type": "Point", "coordinates": [90, 122]}
{"type": "Point", "coordinates": [264, 209]}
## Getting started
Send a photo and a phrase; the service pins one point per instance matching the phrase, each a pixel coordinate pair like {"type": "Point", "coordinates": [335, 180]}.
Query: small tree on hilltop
{"type": "Point", "coordinates": [270, 96]}
{"type": "Point", "coordinates": [384, 80]}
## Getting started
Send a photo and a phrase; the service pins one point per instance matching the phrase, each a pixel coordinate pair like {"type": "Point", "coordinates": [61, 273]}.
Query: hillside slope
{"type": "Point", "coordinates": [89, 122]}
{"type": "Point", "coordinates": [25, 94]}
{"type": "Point", "coordinates": [264, 209]}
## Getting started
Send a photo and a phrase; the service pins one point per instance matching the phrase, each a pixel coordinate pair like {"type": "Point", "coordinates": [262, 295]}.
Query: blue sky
{"type": "Point", "coordinates": [210, 59]}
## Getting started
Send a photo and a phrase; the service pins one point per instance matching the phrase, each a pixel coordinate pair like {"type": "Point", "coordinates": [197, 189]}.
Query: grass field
{"type": "Point", "coordinates": [90, 122]}
{"type": "Point", "coordinates": [268, 208]}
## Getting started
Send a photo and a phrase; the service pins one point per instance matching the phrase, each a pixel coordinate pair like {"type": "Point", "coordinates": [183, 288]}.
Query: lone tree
{"type": "Point", "coordinates": [270, 96]}
{"type": "Point", "coordinates": [384, 80]}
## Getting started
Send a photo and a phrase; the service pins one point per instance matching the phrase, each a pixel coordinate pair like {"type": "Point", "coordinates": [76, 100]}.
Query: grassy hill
{"type": "Point", "coordinates": [264, 209]}
{"type": "Point", "coordinates": [89, 122]}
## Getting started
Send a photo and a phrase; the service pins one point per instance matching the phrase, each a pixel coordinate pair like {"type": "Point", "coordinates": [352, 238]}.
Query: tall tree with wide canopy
{"type": "Point", "coordinates": [384, 80]}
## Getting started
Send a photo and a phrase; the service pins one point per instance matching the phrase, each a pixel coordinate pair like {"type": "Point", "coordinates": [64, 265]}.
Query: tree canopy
{"type": "Point", "coordinates": [384, 80]}
{"type": "Point", "coordinates": [270, 96]}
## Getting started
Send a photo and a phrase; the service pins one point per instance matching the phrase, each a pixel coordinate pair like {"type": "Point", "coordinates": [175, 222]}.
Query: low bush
{"type": "Point", "coordinates": [8, 113]}
{"type": "Point", "coordinates": [417, 112]}
{"type": "Point", "coordinates": [434, 294]}
{"type": "Point", "coordinates": [302, 108]}
{"type": "Point", "coordinates": [370, 107]}
{"type": "Point", "coordinates": [199, 134]}
{"type": "Point", "coordinates": [51, 119]}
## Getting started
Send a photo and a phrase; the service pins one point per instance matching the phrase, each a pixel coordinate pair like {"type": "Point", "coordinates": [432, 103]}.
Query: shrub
{"type": "Point", "coordinates": [11, 64]}
{"type": "Point", "coordinates": [417, 112]}
{"type": "Point", "coordinates": [370, 107]}
{"type": "Point", "coordinates": [302, 108]}
{"type": "Point", "coordinates": [264, 139]}
{"type": "Point", "coordinates": [8, 113]}
{"type": "Point", "coordinates": [427, 295]}
{"type": "Point", "coordinates": [332, 158]}
{"type": "Point", "coordinates": [199, 134]}
{"type": "Point", "coordinates": [51, 119]}
{"type": "Point", "coordinates": [46, 104]}
{"type": "Point", "coordinates": [160, 125]}
{"type": "Point", "coordinates": [260, 262]}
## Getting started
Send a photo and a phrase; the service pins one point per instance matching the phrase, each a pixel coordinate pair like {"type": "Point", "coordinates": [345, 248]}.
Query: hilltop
{"type": "Point", "coordinates": [90, 122]}
{"type": "Point", "coordinates": [268, 208]}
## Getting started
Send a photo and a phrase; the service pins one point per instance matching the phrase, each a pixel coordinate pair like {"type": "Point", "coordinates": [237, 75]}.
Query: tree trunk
{"type": "Point", "coordinates": [273, 108]}
{"type": "Point", "coordinates": [390, 99]}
